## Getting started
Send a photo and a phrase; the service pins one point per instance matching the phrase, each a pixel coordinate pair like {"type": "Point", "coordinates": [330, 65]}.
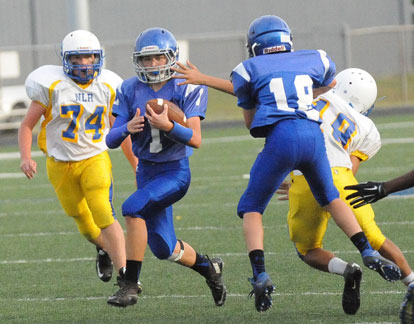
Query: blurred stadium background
{"type": "Point", "coordinates": [375, 35]}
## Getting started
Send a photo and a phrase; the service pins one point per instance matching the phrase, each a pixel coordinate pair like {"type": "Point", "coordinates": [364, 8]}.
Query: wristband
{"type": "Point", "coordinates": [180, 133]}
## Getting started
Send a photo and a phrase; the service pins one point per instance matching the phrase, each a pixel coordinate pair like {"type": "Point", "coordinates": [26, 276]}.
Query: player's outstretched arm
{"type": "Point", "coordinates": [192, 75]}
{"type": "Point", "coordinates": [369, 192]}
{"type": "Point", "coordinates": [366, 193]}
{"type": "Point", "coordinates": [400, 183]}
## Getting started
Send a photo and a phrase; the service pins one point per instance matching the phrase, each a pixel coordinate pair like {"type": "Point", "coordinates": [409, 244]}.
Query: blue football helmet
{"type": "Point", "coordinates": [81, 42]}
{"type": "Point", "coordinates": [155, 41]}
{"type": "Point", "coordinates": [268, 34]}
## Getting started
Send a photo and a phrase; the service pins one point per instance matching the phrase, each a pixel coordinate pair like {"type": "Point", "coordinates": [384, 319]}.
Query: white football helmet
{"type": "Point", "coordinates": [358, 88]}
{"type": "Point", "coordinates": [81, 42]}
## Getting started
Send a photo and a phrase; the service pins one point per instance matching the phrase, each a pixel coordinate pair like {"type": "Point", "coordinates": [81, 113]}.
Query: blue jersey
{"type": "Point", "coordinates": [280, 86]}
{"type": "Point", "coordinates": [151, 144]}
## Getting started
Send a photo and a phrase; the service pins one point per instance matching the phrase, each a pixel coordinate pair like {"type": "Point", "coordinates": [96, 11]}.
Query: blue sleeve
{"type": "Point", "coordinates": [242, 87]}
{"type": "Point", "coordinates": [117, 133]}
{"type": "Point", "coordinates": [120, 106]}
{"type": "Point", "coordinates": [329, 67]}
{"type": "Point", "coordinates": [195, 102]}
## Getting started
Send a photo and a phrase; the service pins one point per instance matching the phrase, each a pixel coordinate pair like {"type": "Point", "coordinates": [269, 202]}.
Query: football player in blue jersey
{"type": "Point", "coordinates": [275, 87]}
{"type": "Point", "coordinates": [163, 173]}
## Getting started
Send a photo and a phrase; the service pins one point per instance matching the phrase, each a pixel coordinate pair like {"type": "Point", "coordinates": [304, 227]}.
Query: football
{"type": "Point", "coordinates": [174, 112]}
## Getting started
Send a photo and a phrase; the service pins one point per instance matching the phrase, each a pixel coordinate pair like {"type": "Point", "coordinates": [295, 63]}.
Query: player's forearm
{"type": "Point", "coordinates": [116, 136]}
{"type": "Point", "coordinates": [219, 84]}
{"type": "Point", "coordinates": [25, 142]}
{"type": "Point", "coordinates": [400, 183]}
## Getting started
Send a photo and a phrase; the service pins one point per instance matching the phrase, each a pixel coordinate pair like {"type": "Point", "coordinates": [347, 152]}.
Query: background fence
{"type": "Point", "coordinates": [387, 52]}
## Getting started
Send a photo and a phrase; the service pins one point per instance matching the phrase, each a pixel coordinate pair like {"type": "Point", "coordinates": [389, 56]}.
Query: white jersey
{"type": "Point", "coordinates": [346, 131]}
{"type": "Point", "coordinates": [76, 120]}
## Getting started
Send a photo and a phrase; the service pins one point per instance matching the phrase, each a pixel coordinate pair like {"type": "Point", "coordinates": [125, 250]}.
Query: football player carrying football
{"type": "Point", "coordinates": [163, 174]}
{"type": "Point", "coordinates": [275, 87]}
{"type": "Point", "coordinates": [75, 102]}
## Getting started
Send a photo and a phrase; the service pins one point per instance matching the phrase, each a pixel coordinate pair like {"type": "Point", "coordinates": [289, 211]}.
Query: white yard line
{"type": "Point", "coordinates": [232, 295]}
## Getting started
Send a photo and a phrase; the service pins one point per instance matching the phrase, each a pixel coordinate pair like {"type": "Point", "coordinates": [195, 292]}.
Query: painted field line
{"type": "Point", "coordinates": [233, 295]}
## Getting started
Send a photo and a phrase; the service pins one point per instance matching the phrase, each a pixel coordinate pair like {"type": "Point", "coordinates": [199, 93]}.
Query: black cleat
{"type": "Point", "coordinates": [127, 295]}
{"type": "Point", "coordinates": [262, 288]}
{"type": "Point", "coordinates": [215, 282]}
{"type": "Point", "coordinates": [103, 265]}
{"type": "Point", "coordinates": [350, 296]}
{"type": "Point", "coordinates": [407, 306]}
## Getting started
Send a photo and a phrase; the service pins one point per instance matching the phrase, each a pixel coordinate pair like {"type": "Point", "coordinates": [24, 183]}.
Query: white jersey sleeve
{"type": "Point", "coordinates": [76, 118]}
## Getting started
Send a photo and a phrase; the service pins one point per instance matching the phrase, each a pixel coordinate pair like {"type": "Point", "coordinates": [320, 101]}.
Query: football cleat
{"type": "Point", "coordinates": [215, 281]}
{"type": "Point", "coordinates": [121, 278]}
{"type": "Point", "coordinates": [262, 288]}
{"type": "Point", "coordinates": [127, 295]}
{"type": "Point", "coordinates": [407, 306]}
{"type": "Point", "coordinates": [350, 296]}
{"type": "Point", "coordinates": [103, 265]}
{"type": "Point", "coordinates": [386, 268]}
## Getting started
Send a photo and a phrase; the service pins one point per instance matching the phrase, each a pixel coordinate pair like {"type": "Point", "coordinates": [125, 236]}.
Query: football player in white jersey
{"type": "Point", "coordinates": [76, 102]}
{"type": "Point", "coordinates": [350, 138]}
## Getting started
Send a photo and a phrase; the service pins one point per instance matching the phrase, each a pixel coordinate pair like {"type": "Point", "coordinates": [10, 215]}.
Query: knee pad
{"type": "Point", "coordinates": [174, 257]}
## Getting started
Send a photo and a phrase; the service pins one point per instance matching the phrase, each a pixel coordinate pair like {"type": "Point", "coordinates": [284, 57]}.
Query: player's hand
{"type": "Point", "coordinates": [283, 191]}
{"type": "Point", "coordinates": [28, 167]}
{"type": "Point", "coordinates": [136, 124]}
{"type": "Point", "coordinates": [190, 73]}
{"type": "Point", "coordinates": [366, 193]}
{"type": "Point", "coordinates": [159, 121]}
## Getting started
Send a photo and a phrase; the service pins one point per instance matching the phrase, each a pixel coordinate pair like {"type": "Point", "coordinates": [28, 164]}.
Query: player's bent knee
{"type": "Point", "coordinates": [159, 247]}
{"type": "Point", "coordinates": [91, 233]}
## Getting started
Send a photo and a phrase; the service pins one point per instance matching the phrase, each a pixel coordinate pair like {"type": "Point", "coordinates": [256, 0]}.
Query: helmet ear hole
{"type": "Point", "coordinates": [358, 88]}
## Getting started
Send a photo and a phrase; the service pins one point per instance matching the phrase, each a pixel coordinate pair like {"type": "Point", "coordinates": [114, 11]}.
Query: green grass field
{"type": "Point", "coordinates": [47, 268]}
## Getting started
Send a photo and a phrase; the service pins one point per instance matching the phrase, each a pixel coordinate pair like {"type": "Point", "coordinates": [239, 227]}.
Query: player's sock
{"type": "Point", "coordinates": [408, 279]}
{"type": "Point", "coordinates": [337, 265]}
{"type": "Point", "coordinates": [257, 261]}
{"type": "Point", "coordinates": [361, 242]}
{"type": "Point", "coordinates": [133, 269]}
{"type": "Point", "coordinates": [202, 265]}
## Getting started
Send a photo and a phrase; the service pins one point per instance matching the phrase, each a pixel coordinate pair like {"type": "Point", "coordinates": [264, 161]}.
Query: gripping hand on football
{"type": "Point", "coordinates": [366, 193]}
{"type": "Point", "coordinates": [136, 124]}
{"type": "Point", "coordinates": [159, 121]}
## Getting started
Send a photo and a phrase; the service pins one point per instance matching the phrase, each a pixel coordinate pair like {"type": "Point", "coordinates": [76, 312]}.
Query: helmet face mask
{"type": "Point", "coordinates": [358, 88]}
{"type": "Point", "coordinates": [81, 42]}
{"type": "Point", "coordinates": [268, 34]}
{"type": "Point", "coordinates": [152, 43]}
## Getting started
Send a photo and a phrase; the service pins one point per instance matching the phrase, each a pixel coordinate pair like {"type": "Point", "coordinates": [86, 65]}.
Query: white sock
{"type": "Point", "coordinates": [337, 265]}
{"type": "Point", "coordinates": [408, 279]}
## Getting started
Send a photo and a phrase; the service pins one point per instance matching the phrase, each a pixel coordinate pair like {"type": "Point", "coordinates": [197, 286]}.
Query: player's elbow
{"type": "Point", "coordinates": [195, 142]}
